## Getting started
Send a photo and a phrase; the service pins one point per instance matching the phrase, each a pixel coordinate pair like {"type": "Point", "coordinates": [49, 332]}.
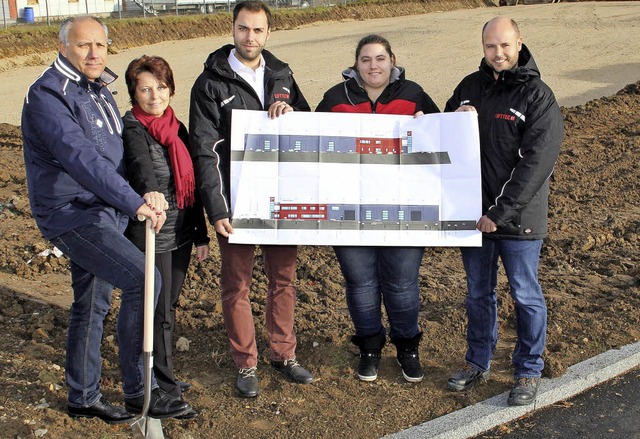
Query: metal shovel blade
{"type": "Point", "coordinates": [141, 425]}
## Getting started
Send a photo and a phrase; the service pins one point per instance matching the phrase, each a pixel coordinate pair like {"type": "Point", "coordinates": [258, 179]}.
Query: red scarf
{"type": "Point", "coordinates": [165, 130]}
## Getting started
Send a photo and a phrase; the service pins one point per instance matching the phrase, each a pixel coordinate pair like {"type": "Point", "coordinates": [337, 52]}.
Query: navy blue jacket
{"type": "Point", "coordinates": [73, 152]}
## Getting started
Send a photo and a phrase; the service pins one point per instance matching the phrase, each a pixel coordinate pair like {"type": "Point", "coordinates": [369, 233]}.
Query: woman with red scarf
{"type": "Point", "coordinates": [157, 159]}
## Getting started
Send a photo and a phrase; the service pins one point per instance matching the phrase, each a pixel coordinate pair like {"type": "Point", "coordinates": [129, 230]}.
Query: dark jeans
{"type": "Point", "coordinates": [376, 274]}
{"type": "Point", "coordinates": [173, 267]}
{"type": "Point", "coordinates": [520, 260]}
{"type": "Point", "coordinates": [101, 258]}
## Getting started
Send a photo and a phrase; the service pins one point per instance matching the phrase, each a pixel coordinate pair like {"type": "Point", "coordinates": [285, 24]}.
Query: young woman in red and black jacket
{"type": "Point", "coordinates": [376, 274]}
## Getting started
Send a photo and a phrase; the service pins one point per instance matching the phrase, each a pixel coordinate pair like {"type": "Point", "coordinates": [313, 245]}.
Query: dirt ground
{"type": "Point", "coordinates": [590, 273]}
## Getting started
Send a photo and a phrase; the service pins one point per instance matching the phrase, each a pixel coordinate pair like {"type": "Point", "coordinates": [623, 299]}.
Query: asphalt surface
{"type": "Point", "coordinates": [597, 398]}
{"type": "Point", "coordinates": [609, 410]}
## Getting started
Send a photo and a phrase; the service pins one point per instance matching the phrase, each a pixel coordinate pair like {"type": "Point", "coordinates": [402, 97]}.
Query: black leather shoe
{"type": "Point", "coordinates": [247, 382]}
{"type": "Point", "coordinates": [524, 391]}
{"type": "Point", "coordinates": [293, 371]}
{"type": "Point", "coordinates": [191, 414]}
{"type": "Point", "coordinates": [184, 386]}
{"type": "Point", "coordinates": [102, 409]}
{"type": "Point", "coordinates": [466, 378]}
{"type": "Point", "coordinates": [162, 405]}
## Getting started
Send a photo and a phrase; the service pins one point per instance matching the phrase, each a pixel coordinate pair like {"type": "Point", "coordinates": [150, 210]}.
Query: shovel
{"type": "Point", "coordinates": [143, 426]}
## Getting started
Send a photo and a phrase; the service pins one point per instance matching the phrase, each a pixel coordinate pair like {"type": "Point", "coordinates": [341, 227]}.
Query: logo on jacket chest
{"type": "Point", "coordinates": [95, 128]}
{"type": "Point", "coordinates": [503, 116]}
{"type": "Point", "coordinates": [511, 116]}
{"type": "Point", "coordinates": [282, 95]}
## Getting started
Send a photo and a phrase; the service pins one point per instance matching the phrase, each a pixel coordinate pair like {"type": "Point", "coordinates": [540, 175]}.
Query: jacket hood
{"type": "Point", "coordinates": [354, 85]}
{"type": "Point", "coordinates": [523, 72]}
{"type": "Point", "coordinates": [218, 61]}
{"type": "Point", "coordinates": [351, 73]}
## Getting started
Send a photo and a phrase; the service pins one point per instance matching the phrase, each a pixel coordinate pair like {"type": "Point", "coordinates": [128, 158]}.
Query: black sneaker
{"type": "Point", "coordinates": [293, 370]}
{"type": "Point", "coordinates": [368, 365]}
{"type": "Point", "coordinates": [370, 353]}
{"type": "Point", "coordinates": [408, 358]}
{"type": "Point", "coordinates": [247, 382]}
{"type": "Point", "coordinates": [466, 378]}
{"type": "Point", "coordinates": [411, 368]}
{"type": "Point", "coordinates": [524, 391]}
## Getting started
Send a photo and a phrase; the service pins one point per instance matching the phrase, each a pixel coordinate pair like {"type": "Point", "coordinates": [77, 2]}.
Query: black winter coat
{"type": "Point", "coordinates": [521, 131]}
{"type": "Point", "coordinates": [217, 91]}
{"type": "Point", "coordinates": [148, 168]}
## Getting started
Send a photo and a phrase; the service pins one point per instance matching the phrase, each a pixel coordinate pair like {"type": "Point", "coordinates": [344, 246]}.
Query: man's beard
{"type": "Point", "coordinates": [246, 56]}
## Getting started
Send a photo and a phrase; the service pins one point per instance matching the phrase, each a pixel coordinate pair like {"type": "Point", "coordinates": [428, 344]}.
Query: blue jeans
{"type": "Point", "coordinates": [520, 260]}
{"type": "Point", "coordinates": [101, 258]}
{"type": "Point", "coordinates": [376, 274]}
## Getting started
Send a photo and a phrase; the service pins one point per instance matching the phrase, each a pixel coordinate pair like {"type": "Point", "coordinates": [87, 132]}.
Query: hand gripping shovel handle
{"type": "Point", "coordinates": [141, 424]}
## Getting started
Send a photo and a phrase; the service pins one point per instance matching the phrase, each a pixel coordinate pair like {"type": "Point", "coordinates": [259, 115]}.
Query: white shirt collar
{"type": "Point", "coordinates": [237, 66]}
{"type": "Point", "coordinates": [255, 78]}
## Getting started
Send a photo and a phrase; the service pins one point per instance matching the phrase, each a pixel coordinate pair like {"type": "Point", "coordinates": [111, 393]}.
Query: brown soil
{"type": "Point", "coordinates": [590, 272]}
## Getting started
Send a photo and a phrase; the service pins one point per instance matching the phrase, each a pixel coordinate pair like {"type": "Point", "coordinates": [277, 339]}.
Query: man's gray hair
{"type": "Point", "coordinates": [65, 27]}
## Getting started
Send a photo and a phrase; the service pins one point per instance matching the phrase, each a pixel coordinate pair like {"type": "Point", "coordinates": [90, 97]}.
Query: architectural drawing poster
{"type": "Point", "coordinates": [355, 179]}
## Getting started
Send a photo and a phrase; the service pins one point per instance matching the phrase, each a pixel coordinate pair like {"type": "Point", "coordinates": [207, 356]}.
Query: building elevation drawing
{"type": "Point", "coordinates": [355, 179]}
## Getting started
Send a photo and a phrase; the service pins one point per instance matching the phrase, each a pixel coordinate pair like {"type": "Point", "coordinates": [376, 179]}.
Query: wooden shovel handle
{"type": "Point", "coordinates": [149, 287]}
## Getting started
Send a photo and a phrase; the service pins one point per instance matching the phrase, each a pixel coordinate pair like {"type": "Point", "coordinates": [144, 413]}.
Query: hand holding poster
{"type": "Point", "coordinates": [355, 179]}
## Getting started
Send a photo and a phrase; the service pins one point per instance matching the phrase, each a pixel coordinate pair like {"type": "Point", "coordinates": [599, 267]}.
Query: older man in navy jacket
{"type": "Point", "coordinates": [81, 202]}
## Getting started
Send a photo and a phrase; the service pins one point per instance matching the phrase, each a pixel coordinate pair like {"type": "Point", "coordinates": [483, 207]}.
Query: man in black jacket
{"type": "Point", "coordinates": [521, 130]}
{"type": "Point", "coordinates": [245, 76]}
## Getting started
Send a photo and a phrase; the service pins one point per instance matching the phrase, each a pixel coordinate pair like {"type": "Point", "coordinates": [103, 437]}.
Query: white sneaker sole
{"type": "Point", "coordinates": [408, 378]}
{"type": "Point", "coordinates": [367, 378]}
{"type": "Point", "coordinates": [412, 379]}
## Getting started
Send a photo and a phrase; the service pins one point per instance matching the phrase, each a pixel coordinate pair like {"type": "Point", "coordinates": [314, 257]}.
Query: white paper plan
{"type": "Point", "coordinates": [355, 179]}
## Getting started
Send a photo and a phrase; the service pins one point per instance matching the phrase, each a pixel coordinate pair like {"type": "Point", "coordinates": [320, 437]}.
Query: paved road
{"type": "Point", "coordinates": [609, 410]}
{"type": "Point", "coordinates": [597, 398]}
